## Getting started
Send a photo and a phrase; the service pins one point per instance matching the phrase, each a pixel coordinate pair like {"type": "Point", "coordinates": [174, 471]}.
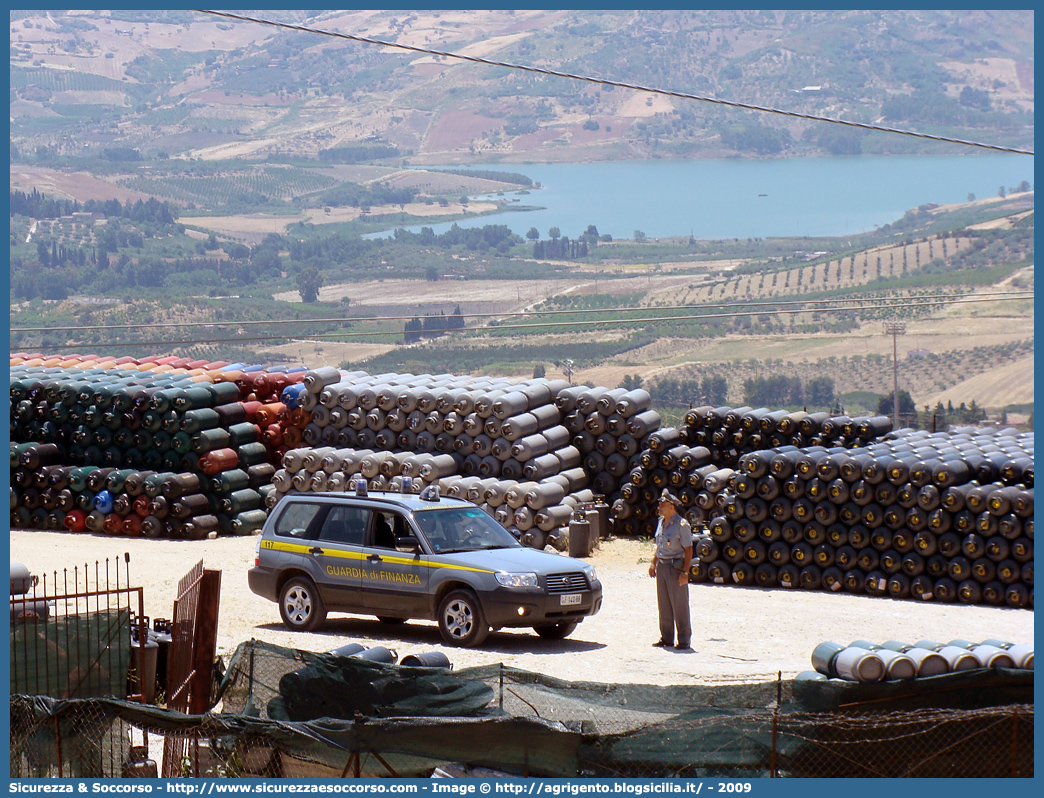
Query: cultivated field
{"type": "Point", "coordinates": [852, 270]}
{"type": "Point", "coordinates": [960, 327]}
{"type": "Point", "coordinates": [257, 225]}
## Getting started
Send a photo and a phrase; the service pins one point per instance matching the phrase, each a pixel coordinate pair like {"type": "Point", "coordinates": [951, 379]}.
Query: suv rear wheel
{"type": "Point", "coordinates": [461, 620]}
{"type": "Point", "coordinates": [555, 631]}
{"type": "Point", "coordinates": [300, 606]}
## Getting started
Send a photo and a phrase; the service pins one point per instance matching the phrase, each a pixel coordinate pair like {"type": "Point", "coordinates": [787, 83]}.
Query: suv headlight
{"type": "Point", "coordinates": [516, 580]}
{"type": "Point", "coordinates": [592, 577]}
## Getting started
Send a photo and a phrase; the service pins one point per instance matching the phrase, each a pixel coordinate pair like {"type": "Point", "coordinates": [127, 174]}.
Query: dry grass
{"type": "Point", "coordinates": [411, 293]}
{"type": "Point", "coordinates": [638, 105]}
{"type": "Point", "coordinates": [72, 185]}
{"type": "Point", "coordinates": [249, 225]}
{"type": "Point", "coordinates": [1010, 384]}
{"type": "Point", "coordinates": [1001, 77]}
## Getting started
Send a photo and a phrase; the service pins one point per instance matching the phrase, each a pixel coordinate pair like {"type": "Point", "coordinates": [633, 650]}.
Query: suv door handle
{"type": "Point", "coordinates": [315, 550]}
{"type": "Point", "coordinates": [375, 558]}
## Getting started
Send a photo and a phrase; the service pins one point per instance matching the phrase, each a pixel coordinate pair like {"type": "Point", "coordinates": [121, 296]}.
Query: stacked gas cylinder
{"type": "Point", "coordinates": [862, 661]}
{"type": "Point", "coordinates": [528, 452]}
{"type": "Point", "coordinates": [945, 517]}
{"type": "Point", "coordinates": [167, 446]}
{"type": "Point", "coordinates": [698, 461]}
{"type": "Point", "coordinates": [156, 446]}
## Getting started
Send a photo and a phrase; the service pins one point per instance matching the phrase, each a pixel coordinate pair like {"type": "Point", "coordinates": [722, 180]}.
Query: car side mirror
{"type": "Point", "coordinates": [407, 545]}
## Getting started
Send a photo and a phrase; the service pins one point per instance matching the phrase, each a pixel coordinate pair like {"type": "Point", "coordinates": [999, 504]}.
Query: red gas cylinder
{"type": "Point", "coordinates": [252, 407]}
{"type": "Point", "coordinates": [259, 382]}
{"type": "Point", "coordinates": [218, 460]}
{"type": "Point", "coordinates": [75, 521]}
{"type": "Point", "coordinates": [140, 507]}
{"type": "Point", "coordinates": [272, 436]}
{"type": "Point", "coordinates": [132, 526]}
{"type": "Point", "coordinates": [270, 413]}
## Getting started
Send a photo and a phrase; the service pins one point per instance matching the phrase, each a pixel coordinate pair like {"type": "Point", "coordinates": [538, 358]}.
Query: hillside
{"type": "Point", "coordinates": [176, 168]}
{"type": "Point", "coordinates": [179, 84]}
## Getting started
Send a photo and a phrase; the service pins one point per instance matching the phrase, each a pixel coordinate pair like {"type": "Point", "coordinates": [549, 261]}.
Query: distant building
{"type": "Point", "coordinates": [920, 354]}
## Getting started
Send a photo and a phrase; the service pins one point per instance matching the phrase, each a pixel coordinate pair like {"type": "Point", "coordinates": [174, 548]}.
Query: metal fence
{"type": "Point", "coordinates": [531, 727]}
{"type": "Point", "coordinates": [71, 633]}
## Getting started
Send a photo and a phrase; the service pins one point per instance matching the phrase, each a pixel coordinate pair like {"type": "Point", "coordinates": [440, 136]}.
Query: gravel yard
{"type": "Point", "coordinates": [739, 634]}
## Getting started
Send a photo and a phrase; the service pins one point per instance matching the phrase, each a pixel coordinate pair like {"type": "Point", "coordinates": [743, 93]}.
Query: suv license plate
{"type": "Point", "coordinates": [571, 598]}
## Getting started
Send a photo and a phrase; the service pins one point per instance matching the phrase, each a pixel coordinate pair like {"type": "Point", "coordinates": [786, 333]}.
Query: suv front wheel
{"type": "Point", "coordinates": [300, 606]}
{"type": "Point", "coordinates": [461, 620]}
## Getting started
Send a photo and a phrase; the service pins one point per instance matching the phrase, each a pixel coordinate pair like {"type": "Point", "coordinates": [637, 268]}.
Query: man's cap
{"type": "Point", "coordinates": [667, 496]}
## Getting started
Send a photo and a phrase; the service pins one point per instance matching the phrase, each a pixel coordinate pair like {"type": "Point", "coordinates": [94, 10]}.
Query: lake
{"type": "Point", "coordinates": [747, 198]}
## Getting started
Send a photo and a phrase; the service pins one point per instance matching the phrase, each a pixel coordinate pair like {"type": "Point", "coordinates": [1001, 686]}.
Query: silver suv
{"type": "Point", "coordinates": [401, 556]}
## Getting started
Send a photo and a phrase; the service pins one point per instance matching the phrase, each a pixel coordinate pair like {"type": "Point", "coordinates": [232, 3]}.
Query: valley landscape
{"type": "Point", "coordinates": [180, 168]}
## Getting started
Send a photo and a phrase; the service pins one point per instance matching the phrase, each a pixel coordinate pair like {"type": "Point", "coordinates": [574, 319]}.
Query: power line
{"type": "Point", "coordinates": [614, 83]}
{"type": "Point", "coordinates": [538, 325]}
{"type": "Point", "coordinates": [762, 308]}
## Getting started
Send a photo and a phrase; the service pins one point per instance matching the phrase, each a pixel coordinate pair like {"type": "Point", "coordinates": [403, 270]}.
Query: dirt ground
{"type": "Point", "coordinates": [739, 634]}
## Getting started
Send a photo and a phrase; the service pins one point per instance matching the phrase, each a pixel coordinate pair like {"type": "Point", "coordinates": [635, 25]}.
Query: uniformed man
{"type": "Point", "coordinates": [670, 567]}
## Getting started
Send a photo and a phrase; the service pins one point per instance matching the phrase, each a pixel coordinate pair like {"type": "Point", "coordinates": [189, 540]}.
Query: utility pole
{"type": "Point", "coordinates": [895, 329]}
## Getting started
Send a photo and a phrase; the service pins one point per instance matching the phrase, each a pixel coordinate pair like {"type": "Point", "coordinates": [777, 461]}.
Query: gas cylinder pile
{"type": "Point", "coordinates": [699, 461]}
{"type": "Point", "coordinates": [158, 446]}
{"type": "Point", "coordinates": [944, 517]}
{"type": "Point", "coordinates": [862, 661]}
{"type": "Point", "coordinates": [172, 447]}
{"type": "Point", "coordinates": [527, 452]}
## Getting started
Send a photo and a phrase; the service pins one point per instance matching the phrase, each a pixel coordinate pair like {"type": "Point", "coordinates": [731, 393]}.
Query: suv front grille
{"type": "Point", "coordinates": [566, 583]}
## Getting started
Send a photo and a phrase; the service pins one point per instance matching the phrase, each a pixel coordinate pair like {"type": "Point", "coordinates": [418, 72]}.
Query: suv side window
{"type": "Point", "coordinates": [388, 526]}
{"type": "Point", "coordinates": [346, 525]}
{"type": "Point", "coordinates": [300, 520]}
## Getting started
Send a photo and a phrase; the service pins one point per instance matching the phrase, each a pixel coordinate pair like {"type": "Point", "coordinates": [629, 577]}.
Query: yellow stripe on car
{"type": "Point", "coordinates": [300, 548]}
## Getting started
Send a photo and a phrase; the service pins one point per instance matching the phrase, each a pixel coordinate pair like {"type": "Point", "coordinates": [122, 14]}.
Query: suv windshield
{"type": "Point", "coordinates": [462, 529]}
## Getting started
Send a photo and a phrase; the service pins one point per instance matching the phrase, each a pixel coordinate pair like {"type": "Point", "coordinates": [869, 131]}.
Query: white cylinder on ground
{"type": "Point", "coordinates": [959, 659]}
{"type": "Point", "coordinates": [928, 662]}
{"type": "Point", "coordinates": [993, 657]}
{"type": "Point", "coordinates": [859, 665]}
{"type": "Point", "coordinates": [897, 666]}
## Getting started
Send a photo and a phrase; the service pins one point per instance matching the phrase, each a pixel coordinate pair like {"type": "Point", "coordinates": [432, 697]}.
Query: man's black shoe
{"type": "Point", "coordinates": [663, 644]}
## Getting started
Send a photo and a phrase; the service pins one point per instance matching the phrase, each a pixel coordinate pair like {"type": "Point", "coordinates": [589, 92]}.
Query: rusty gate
{"type": "Point", "coordinates": [71, 633]}
{"type": "Point", "coordinates": [190, 666]}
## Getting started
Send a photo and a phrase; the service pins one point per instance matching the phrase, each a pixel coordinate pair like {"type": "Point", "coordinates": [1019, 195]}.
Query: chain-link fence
{"type": "Point", "coordinates": [99, 738]}
{"type": "Point", "coordinates": [295, 714]}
